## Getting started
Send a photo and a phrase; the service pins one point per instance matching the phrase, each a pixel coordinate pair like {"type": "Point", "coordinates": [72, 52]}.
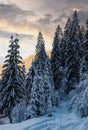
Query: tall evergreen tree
{"type": "Point", "coordinates": [56, 62]}
{"type": "Point", "coordinates": [82, 50]}
{"type": "Point", "coordinates": [55, 57]}
{"type": "Point", "coordinates": [63, 45]}
{"type": "Point", "coordinates": [37, 101]}
{"type": "Point", "coordinates": [63, 55]}
{"type": "Point", "coordinates": [48, 87]}
{"type": "Point", "coordinates": [84, 62]}
{"type": "Point", "coordinates": [73, 54]}
{"type": "Point", "coordinates": [12, 87]}
{"type": "Point", "coordinates": [66, 33]}
{"type": "Point", "coordinates": [41, 92]}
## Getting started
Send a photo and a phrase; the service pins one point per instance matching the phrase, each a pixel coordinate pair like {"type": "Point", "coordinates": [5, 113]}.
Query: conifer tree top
{"type": "Point", "coordinates": [40, 38]}
{"type": "Point", "coordinates": [67, 29]}
{"type": "Point", "coordinates": [58, 32]}
{"type": "Point", "coordinates": [40, 43]}
{"type": "Point", "coordinates": [68, 22]}
{"type": "Point", "coordinates": [75, 17]}
{"type": "Point", "coordinates": [75, 26]}
{"type": "Point", "coordinates": [75, 14]}
{"type": "Point", "coordinates": [40, 49]}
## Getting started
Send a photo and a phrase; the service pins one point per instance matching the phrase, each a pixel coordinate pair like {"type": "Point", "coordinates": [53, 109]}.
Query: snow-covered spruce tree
{"type": "Point", "coordinates": [29, 82]}
{"type": "Point", "coordinates": [63, 45]}
{"type": "Point", "coordinates": [73, 54]}
{"type": "Point", "coordinates": [12, 87]}
{"type": "Point", "coordinates": [42, 88]}
{"type": "Point", "coordinates": [37, 101]}
{"type": "Point", "coordinates": [48, 88]}
{"type": "Point", "coordinates": [63, 56]}
{"type": "Point", "coordinates": [82, 51]}
{"type": "Point", "coordinates": [84, 48]}
{"type": "Point", "coordinates": [56, 61]}
{"type": "Point", "coordinates": [19, 112]}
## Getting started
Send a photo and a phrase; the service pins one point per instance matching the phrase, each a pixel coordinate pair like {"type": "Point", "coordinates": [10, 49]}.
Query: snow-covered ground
{"type": "Point", "coordinates": [61, 120]}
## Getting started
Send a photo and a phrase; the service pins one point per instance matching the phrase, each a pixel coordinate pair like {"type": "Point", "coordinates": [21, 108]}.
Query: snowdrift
{"type": "Point", "coordinates": [61, 120]}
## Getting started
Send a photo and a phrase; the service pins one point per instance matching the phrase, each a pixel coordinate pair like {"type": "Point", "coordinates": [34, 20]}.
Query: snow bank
{"type": "Point", "coordinates": [61, 120]}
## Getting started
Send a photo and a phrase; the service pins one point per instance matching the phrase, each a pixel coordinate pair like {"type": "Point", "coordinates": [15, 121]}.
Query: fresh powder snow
{"type": "Point", "coordinates": [61, 120]}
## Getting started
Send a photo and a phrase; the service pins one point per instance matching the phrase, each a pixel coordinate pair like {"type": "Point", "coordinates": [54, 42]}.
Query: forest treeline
{"type": "Point", "coordinates": [50, 79]}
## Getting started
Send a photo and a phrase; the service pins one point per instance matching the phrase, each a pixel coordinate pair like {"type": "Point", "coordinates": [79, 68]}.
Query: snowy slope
{"type": "Point", "coordinates": [61, 120]}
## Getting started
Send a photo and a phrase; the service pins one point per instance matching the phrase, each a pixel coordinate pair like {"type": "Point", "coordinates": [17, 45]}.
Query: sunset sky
{"type": "Point", "coordinates": [28, 17]}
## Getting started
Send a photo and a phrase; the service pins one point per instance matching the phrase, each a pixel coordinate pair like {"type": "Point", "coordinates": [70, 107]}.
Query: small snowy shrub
{"type": "Point", "coordinates": [19, 113]}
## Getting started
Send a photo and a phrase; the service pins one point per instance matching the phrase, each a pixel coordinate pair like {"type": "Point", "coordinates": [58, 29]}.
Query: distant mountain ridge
{"type": "Point", "coordinates": [0, 69]}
